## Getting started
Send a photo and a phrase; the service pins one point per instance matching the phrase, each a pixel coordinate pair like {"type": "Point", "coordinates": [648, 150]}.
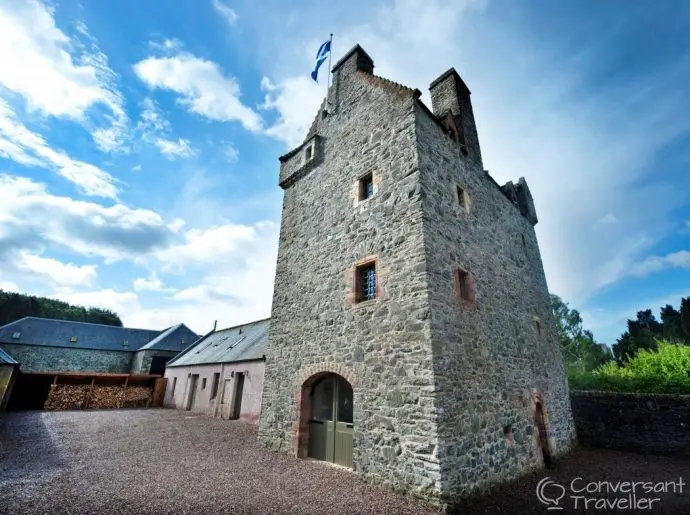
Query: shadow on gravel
{"type": "Point", "coordinates": [591, 480]}
{"type": "Point", "coordinates": [27, 449]}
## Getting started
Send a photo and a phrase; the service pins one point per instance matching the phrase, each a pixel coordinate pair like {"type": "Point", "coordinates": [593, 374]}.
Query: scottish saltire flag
{"type": "Point", "coordinates": [321, 55]}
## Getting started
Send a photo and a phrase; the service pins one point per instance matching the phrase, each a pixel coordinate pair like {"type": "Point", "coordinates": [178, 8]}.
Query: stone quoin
{"type": "Point", "coordinates": [413, 282]}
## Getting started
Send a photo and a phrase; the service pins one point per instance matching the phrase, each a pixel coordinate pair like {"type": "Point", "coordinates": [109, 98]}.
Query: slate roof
{"type": "Point", "coordinates": [240, 343]}
{"type": "Point", "coordinates": [6, 359]}
{"type": "Point", "coordinates": [176, 338]}
{"type": "Point", "coordinates": [58, 333]}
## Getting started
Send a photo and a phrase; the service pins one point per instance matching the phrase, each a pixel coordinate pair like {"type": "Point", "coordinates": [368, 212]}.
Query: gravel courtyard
{"type": "Point", "coordinates": [165, 461]}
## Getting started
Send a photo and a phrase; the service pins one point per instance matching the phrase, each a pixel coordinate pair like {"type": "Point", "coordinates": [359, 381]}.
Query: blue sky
{"type": "Point", "coordinates": [139, 141]}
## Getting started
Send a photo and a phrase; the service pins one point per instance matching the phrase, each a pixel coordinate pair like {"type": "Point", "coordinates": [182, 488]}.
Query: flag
{"type": "Point", "coordinates": [321, 55]}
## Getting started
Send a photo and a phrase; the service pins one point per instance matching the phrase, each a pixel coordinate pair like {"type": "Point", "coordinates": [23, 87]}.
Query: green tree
{"type": "Point", "coordinates": [580, 350]}
{"type": "Point", "coordinates": [642, 333]}
{"type": "Point", "coordinates": [14, 306]}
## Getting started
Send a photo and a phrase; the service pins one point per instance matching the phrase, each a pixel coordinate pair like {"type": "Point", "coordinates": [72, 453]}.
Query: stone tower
{"type": "Point", "coordinates": [411, 336]}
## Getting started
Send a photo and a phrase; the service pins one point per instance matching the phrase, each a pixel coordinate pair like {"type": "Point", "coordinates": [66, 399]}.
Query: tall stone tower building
{"type": "Point", "coordinates": [411, 338]}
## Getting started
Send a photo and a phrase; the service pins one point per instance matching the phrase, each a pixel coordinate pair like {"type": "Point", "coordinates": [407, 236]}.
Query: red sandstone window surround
{"type": "Point", "coordinates": [365, 280]}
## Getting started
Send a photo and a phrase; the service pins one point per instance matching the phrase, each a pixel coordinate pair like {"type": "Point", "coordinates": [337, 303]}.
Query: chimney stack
{"type": "Point", "coordinates": [450, 96]}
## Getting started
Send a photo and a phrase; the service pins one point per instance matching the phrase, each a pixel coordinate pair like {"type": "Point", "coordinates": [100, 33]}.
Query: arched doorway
{"type": "Point", "coordinates": [331, 420]}
{"type": "Point", "coordinates": [542, 434]}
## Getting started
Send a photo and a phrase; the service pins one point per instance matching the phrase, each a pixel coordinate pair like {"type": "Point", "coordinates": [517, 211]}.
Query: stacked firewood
{"type": "Point", "coordinates": [138, 396]}
{"type": "Point", "coordinates": [66, 396]}
{"type": "Point", "coordinates": [83, 396]}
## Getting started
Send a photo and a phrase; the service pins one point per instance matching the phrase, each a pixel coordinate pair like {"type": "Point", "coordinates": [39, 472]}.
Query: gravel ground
{"type": "Point", "coordinates": [165, 461]}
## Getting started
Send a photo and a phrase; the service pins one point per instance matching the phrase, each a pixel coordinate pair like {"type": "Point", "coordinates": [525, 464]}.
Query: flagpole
{"type": "Point", "coordinates": [328, 84]}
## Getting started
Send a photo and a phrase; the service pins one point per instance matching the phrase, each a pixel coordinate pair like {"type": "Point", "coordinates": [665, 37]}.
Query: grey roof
{"type": "Point", "coordinates": [58, 333]}
{"type": "Point", "coordinates": [176, 338]}
{"type": "Point", "coordinates": [6, 359]}
{"type": "Point", "coordinates": [240, 343]}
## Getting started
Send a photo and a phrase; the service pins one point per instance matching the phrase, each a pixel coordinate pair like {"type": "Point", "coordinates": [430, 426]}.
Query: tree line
{"type": "Point", "coordinates": [645, 331]}
{"type": "Point", "coordinates": [582, 353]}
{"type": "Point", "coordinates": [14, 306]}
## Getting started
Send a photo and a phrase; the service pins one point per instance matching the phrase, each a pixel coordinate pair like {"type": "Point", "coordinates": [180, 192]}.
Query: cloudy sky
{"type": "Point", "coordinates": [139, 141]}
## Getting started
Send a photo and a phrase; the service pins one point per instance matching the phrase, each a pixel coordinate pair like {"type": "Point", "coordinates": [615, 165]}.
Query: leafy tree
{"type": "Point", "coordinates": [580, 350]}
{"type": "Point", "coordinates": [663, 370]}
{"type": "Point", "coordinates": [672, 326]}
{"type": "Point", "coordinates": [645, 330]}
{"type": "Point", "coordinates": [14, 306]}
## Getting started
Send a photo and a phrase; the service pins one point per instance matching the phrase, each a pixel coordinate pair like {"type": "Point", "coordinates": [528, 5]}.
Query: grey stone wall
{"type": "Point", "coordinates": [324, 232]}
{"type": "Point", "coordinates": [141, 363]}
{"type": "Point", "coordinates": [435, 382]}
{"type": "Point", "coordinates": [489, 357]}
{"type": "Point", "coordinates": [646, 423]}
{"type": "Point", "coordinates": [63, 359]}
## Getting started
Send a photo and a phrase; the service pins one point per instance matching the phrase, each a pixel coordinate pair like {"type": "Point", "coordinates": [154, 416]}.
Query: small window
{"type": "Point", "coordinates": [214, 385]}
{"type": "Point", "coordinates": [365, 282]}
{"type": "Point", "coordinates": [309, 152]}
{"type": "Point", "coordinates": [16, 335]}
{"type": "Point", "coordinates": [524, 242]}
{"type": "Point", "coordinates": [73, 339]}
{"type": "Point", "coordinates": [463, 197]}
{"type": "Point", "coordinates": [366, 187]}
{"type": "Point", "coordinates": [172, 392]}
{"type": "Point", "coordinates": [125, 343]}
{"type": "Point", "coordinates": [537, 325]}
{"type": "Point", "coordinates": [203, 383]}
{"type": "Point", "coordinates": [464, 287]}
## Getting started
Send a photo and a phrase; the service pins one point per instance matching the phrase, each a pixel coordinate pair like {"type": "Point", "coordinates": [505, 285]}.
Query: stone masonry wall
{"type": "Point", "coordinates": [383, 344]}
{"type": "Point", "coordinates": [141, 363]}
{"type": "Point", "coordinates": [489, 356]}
{"type": "Point", "coordinates": [646, 423]}
{"type": "Point", "coordinates": [437, 383]}
{"type": "Point", "coordinates": [63, 359]}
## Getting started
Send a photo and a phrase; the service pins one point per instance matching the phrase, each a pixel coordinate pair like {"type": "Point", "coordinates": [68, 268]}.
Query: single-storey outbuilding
{"type": "Point", "coordinates": [222, 375]}
{"type": "Point", "coordinates": [8, 374]}
{"type": "Point", "coordinates": [51, 345]}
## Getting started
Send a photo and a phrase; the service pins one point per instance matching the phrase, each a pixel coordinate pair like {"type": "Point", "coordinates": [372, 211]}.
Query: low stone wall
{"type": "Point", "coordinates": [645, 423]}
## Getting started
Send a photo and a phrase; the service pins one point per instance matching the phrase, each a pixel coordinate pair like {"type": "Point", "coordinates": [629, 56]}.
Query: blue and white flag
{"type": "Point", "coordinates": [321, 55]}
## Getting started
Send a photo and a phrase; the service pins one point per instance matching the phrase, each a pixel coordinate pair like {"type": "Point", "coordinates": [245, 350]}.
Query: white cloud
{"type": "Point", "coordinates": [116, 301]}
{"type": "Point", "coordinates": [205, 293]}
{"type": "Point", "coordinates": [53, 271]}
{"type": "Point", "coordinates": [680, 259]}
{"type": "Point", "coordinates": [225, 244]}
{"type": "Point", "coordinates": [225, 11]}
{"type": "Point", "coordinates": [296, 100]}
{"type": "Point", "coordinates": [231, 153]}
{"type": "Point", "coordinates": [172, 149]}
{"type": "Point", "coordinates": [202, 86]}
{"type": "Point", "coordinates": [8, 286]}
{"type": "Point", "coordinates": [136, 168]}
{"type": "Point", "coordinates": [152, 119]}
{"type": "Point", "coordinates": [37, 64]}
{"type": "Point", "coordinates": [151, 284]}
{"type": "Point", "coordinates": [22, 145]}
{"type": "Point", "coordinates": [238, 268]}
{"type": "Point", "coordinates": [581, 154]}
{"type": "Point", "coordinates": [33, 218]}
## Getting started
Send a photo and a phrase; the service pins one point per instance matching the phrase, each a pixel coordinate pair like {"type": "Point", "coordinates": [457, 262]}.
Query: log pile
{"type": "Point", "coordinates": [66, 396]}
{"type": "Point", "coordinates": [83, 396]}
{"type": "Point", "coordinates": [138, 397]}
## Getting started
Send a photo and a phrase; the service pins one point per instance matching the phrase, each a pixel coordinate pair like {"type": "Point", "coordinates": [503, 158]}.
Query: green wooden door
{"type": "Point", "coordinates": [331, 427]}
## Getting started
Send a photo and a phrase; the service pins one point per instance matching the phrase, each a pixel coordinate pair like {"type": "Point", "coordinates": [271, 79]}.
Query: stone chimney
{"type": "Point", "coordinates": [355, 60]}
{"type": "Point", "coordinates": [450, 101]}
